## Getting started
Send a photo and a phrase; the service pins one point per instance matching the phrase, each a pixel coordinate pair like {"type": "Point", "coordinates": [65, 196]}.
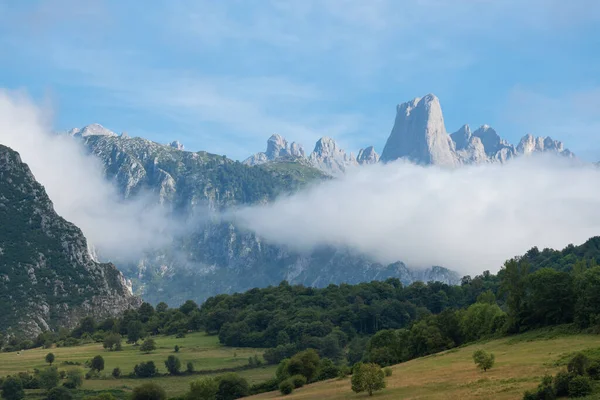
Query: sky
{"type": "Point", "coordinates": [222, 76]}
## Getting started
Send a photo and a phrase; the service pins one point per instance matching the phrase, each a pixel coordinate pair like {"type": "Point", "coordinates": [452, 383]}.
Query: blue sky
{"type": "Point", "coordinates": [223, 76]}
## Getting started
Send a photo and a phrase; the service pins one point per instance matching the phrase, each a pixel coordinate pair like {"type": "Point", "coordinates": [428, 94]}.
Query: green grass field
{"type": "Point", "coordinates": [520, 365]}
{"type": "Point", "coordinates": [205, 352]}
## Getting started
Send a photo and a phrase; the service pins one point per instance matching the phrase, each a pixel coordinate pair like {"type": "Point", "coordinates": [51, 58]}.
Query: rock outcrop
{"type": "Point", "coordinates": [367, 156]}
{"type": "Point", "coordinates": [48, 278]}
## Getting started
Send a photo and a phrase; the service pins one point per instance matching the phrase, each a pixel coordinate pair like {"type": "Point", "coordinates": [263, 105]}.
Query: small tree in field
{"type": "Point", "coordinates": [97, 363]}
{"type": "Point", "coordinates": [148, 346]}
{"type": "Point", "coordinates": [112, 341]}
{"type": "Point", "coordinates": [50, 358]}
{"type": "Point", "coordinates": [173, 365]}
{"type": "Point", "coordinates": [367, 378]}
{"type": "Point", "coordinates": [484, 360]}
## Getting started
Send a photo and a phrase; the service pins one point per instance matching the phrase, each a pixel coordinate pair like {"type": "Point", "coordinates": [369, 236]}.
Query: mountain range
{"type": "Point", "coordinates": [48, 277]}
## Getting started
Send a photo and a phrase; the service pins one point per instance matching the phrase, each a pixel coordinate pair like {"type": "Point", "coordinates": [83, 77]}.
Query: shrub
{"type": "Point", "coordinates": [190, 367]}
{"type": "Point", "coordinates": [578, 364]}
{"type": "Point", "coordinates": [327, 370]}
{"type": "Point", "coordinates": [286, 387]}
{"type": "Point", "coordinates": [483, 359]}
{"type": "Point", "coordinates": [304, 363]}
{"type": "Point", "coordinates": [232, 386]}
{"type": "Point", "coordinates": [12, 389]}
{"type": "Point", "coordinates": [367, 378]}
{"type": "Point", "coordinates": [148, 346]}
{"type": "Point", "coordinates": [148, 391]}
{"type": "Point", "coordinates": [529, 395]}
{"type": "Point", "coordinates": [298, 381]}
{"type": "Point", "coordinates": [59, 393]}
{"type": "Point", "coordinates": [176, 349]}
{"type": "Point", "coordinates": [580, 386]}
{"type": "Point", "coordinates": [173, 365]}
{"type": "Point", "coordinates": [593, 370]}
{"type": "Point", "coordinates": [546, 389]}
{"type": "Point", "coordinates": [49, 378]}
{"type": "Point", "coordinates": [116, 373]}
{"type": "Point", "coordinates": [203, 389]}
{"type": "Point", "coordinates": [145, 369]}
{"type": "Point", "coordinates": [266, 386]}
{"type": "Point", "coordinates": [180, 335]}
{"type": "Point", "coordinates": [74, 378]}
{"type": "Point", "coordinates": [561, 383]}
{"type": "Point", "coordinates": [112, 341]}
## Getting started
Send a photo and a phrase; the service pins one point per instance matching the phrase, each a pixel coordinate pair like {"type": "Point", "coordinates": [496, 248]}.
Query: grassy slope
{"type": "Point", "coordinates": [520, 364]}
{"type": "Point", "coordinates": [204, 351]}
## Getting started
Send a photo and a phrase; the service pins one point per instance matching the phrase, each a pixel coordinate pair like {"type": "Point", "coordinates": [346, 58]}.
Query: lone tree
{"type": "Point", "coordinates": [97, 363]}
{"type": "Point", "coordinates": [367, 378]}
{"type": "Point", "coordinates": [484, 360]}
{"type": "Point", "coordinates": [148, 346]}
{"type": "Point", "coordinates": [173, 365]}
{"type": "Point", "coordinates": [50, 358]}
{"type": "Point", "coordinates": [12, 389]}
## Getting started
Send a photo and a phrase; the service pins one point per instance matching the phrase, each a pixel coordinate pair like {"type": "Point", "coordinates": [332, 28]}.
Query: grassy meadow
{"type": "Point", "coordinates": [205, 352]}
{"type": "Point", "coordinates": [521, 362]}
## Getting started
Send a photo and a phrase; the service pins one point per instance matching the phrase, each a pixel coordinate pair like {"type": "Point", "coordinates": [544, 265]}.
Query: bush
{"type": "Point", "coordinates": [148, 346]}
{"type": "Point", "coordinates": [530, 396]}
{"type": "Point", "coordinates": [145, 369]}
{"type": "Point", "coordinates": [561, 383]}
{"type": "Point", "coordinates": [286, 387]}
{"type": "Point", "coordinates": [304, 363]}
{"type": "Point", "coordinates": [49, 378]}
{"type": "Point", "coordinates": [483, 359]}
{"type": "Point", "coordinates": [173, 365]}
{"type": "Point", "coordinates": [176, 349]}
{"type": "Point", "coordinates": [74, 378]}
{"type": "Point", "coordinates": [180, 335]}
{"type": "Point", "coordinates": [546, 389]}
{"type": "Point", "coordinates": [327, 370]}
{"type": "Point", "coordinates": [116, 373]}
{"type": "Point", "coordinates": [12, 389]}
{"type": "Point", "coordinates": [59, 393]}
{"type": "Point", "coordinates": [203, 389]}
{"type": "Point", "coordinates": [232, 386]}
{"type": "Point", "coordinates": [387, 371]}
{"type": "Point", "coordinates": [593, 370]}
{"type": "Point", "coordinates": [580, 386]}
{"type": "Point", "coordinates": [148, 391]}
{"type": "Point", "coordinates": [367, 378]}
{"type": "Point", "coordinates": [298, 381]}
{"type": "Point", "coordinates": [190, 367]}
{"type": "Point", "coordinates": [266, 386]}
{"type": "Point", "coordinates": [112, 341]}
{"type": "Point", "coordinates": [578, 364]}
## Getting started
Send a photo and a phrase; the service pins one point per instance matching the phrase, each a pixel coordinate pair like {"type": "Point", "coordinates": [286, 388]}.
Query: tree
{"type": "Point", "coordinates": [50, 358]}
{"type": "Point", "coordinates": [148, 346]}
{"type": "Point", "coordinates": [116, 372]}
{"type": "Point", "coordinates": [145, 369]}
{"type": "Point", "coordinates": [232, 386]}
{"type": "Point", "coordinates": [49, 378]}
{"type": "Point", "coordinates": [176, 349]}
{"type": "Point", "coordinates": [173, 365]}
{"type": "Point", "coordinates": [189, 367]}
{"type": "Point", "coordinates": [203, 389]}
{"type": "Point", "coordinates": [286, 387]}
{"type": "Point", "coordinates": [161, 307]}
{"type": "Point", "coordinates": [112, 341]}
{"type": "Point", "coordinates": [97, 363]}
{"type": "Point", "coordinates": [135, 331]}
{"type": "Point", "coordinates": [367, 378]}
{"type": "Point", "coordinates": [483, 359]}
{"type": "Point", "coordinates": [578, 364]}
{"type": "Point", "coordinates": [74, 378]}
{"type": "Point", "coordinates": [12, 389]}
{"type": "Point", "coordinates": [148, 391]}
{"type": "Point", "coordinates": [513, 285]}
{"type": "Point", "coordinates": [304, 363]}
{"type": "Point", "coordinates": [146, 311]}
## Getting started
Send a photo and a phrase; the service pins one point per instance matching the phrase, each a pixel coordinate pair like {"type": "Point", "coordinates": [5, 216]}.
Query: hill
{"type": "Point", "coordinates": [47, 277]}
{"type": "Point", "coordinates": [521, 362]}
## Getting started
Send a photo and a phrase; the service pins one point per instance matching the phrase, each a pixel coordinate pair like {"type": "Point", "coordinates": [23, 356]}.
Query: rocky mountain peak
{"type": "Point", "coordinates": [176, 145]}
{"type": "Point", "coordinates": [530, 144]}
{"type": "Point", "coordinates": [91, 130]}
{"type": "Point", "coordinates": [367, 156]}
{"type": "Point", "coordinates": [276, 146]}
{"type": "Point", "coordinates": [329, 157]}
{"type": "Point", "coordinates": [462, 137]}
{"type": "Point", "coordinates": [419, 134]}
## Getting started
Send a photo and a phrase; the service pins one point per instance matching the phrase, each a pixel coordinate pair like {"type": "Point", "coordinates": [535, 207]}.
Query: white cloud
{"type": "Point", "coordinates": [469, 219]}
{"type": "Point", "coordinates": [75, 183]}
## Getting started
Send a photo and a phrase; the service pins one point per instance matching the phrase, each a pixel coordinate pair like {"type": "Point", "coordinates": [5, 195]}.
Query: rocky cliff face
{"type": "Point", "coordinates": [215, 256]}
{"type": "Point", "coordinates": [48, 278]}
{"type": "Point", "coordinates": [419, 134]}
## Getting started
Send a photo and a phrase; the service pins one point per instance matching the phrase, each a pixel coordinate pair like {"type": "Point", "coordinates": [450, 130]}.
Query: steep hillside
{"type": "Point", "coordinates": [521, 362]}
{"type": "Point", "coordinates": [47, 276]}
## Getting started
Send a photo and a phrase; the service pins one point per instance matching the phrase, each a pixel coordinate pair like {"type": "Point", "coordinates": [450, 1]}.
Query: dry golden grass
{"type": "Point", "coordinates": [452, 374]}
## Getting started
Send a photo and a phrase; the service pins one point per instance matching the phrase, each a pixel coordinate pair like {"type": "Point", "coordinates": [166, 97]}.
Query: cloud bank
{"type": "Point", "coordinates": [76, 185]}
{"type": "Point", "coordinates": [469, 219]}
